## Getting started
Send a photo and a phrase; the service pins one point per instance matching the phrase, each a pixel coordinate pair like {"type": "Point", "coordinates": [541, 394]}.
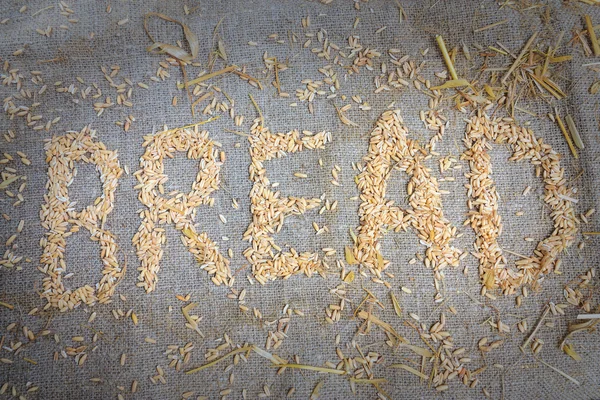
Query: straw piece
{"type": "Point", "coordinates": [574, 132]}
{"type": "Point", "coordinates": [210, 364]}
{"type": "Point", "coordinates": [313, 368]}
{"type": "Point", "coordinates": [518, 60]}
{"type": "Point", "coordinates": [490, 26]}
{"type": "Point", "coordinates": [451, 84]}
{"type": "Point", "coordinates": [575, 381]}
{"type": "Point", "coordinates": [207, 76]}
{"type": "Point", "coordinates": [440, 41]}
{"type": "Point", "coordinates": [409, 369]}
{"type": "Point", "coordinates": [561, 125]}
{"type": "Point", "coordinates": [590, 28]}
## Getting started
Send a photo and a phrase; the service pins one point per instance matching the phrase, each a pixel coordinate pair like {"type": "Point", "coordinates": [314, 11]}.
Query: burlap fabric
{"type": "Point", "coordinates": [98, 40]}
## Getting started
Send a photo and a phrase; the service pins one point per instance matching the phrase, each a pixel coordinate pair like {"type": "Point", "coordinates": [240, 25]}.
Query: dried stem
{"type": "Point", "coordinates": [518, 60]}
{"type": "Point", "coordinates": [575, 381]}
{"type": "Point", "coordinates": [207, 76]}
{"type": "Point", "coordinates": [262, 120]}
{"type": "Point", "coordinates": [590, 28]}
{"type": "Point", "coordinates": [449, 65]}
{"type": "Point", "coordinates": [537, 327]}
{"type": "Point", "coordinates": [565, 133]}
{"type": "Point", "coordinates": [218, 360]}
{"type": "Point", "coordinates": [490, 26]}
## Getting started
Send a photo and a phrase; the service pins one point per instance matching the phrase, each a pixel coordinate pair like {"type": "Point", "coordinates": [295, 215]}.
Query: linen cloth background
{"type": "Point", "coordinates": [309, 337]}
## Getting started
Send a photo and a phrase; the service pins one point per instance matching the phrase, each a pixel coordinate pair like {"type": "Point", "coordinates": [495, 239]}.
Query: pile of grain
{"type": "Point", "coordinates": [389, 149]}
{"type": "Point", "coordinates": [179, 208]}
{"type": "Point", "coordinates": [269, 209]}
{"type": "Point", "coordinates": [448, 362]}
{"type": "Point", "coordinates": [60, 218]}
{"type": "Point", "coordinates": [483, 204]}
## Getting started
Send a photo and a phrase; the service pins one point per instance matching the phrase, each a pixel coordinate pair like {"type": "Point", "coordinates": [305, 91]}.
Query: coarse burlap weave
{"type": "Point", "coordinates": [96, 39]}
